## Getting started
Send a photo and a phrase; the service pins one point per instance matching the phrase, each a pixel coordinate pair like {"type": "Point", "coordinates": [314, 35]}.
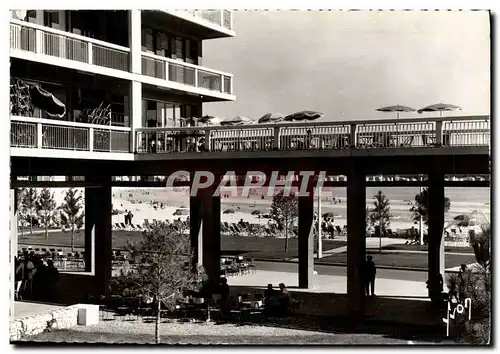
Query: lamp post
{"type": "Point", "coordinates": [320, 246]}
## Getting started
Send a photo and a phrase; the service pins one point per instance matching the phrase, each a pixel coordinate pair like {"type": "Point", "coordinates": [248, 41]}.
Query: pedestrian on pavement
{"type": "Point", "coordinates": [126, 217]}
{"type": "Point", "coordinates": [130, 216]}
{"type": "Point", "coordinates": [370, 271]}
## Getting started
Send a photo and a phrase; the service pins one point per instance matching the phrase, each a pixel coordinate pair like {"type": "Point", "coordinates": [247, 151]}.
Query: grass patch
{"type": "Point", "coordinates": [424, 248]}
{"type": "Point", "coordinates": [407, 260]}
{"type": "Point", "coordinates": [257, 247]}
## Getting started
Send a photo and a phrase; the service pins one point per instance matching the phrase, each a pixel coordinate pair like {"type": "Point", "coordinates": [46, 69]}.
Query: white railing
{"type": "Point", "coordinates": [401, 133]}
{"type": "Point", "coordinates": [223, 18]}
{"type": "Point", "coordinates": [42, 40]}
{"type": "Point", "coordinates": [39, 133]}
{"type": "Point", "coordinates": [186, 73]}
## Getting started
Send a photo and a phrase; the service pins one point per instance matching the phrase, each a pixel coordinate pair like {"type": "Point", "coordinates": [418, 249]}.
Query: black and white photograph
{"type": "Point", "coordinates": [249, 177]}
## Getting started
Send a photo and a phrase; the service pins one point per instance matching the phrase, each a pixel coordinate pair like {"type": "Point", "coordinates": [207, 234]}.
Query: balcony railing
{"type": "Point", "coordinates": [186, 74]}
{"type": "Point", "coordinates": [223, 18]}
{"type": "Point", "coordinates": [63, 135]}
{"type": "Point", "coordinates": [440, 132]}
{"type": "Point", "coordinates": [42, 40]}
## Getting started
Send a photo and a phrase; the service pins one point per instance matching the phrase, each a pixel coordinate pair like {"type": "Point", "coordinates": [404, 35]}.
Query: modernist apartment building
{"type": "Point", "coordinates": [82, 82]}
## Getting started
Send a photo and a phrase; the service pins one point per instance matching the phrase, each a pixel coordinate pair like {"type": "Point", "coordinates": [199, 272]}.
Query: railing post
{"type": "Point", "coordinates": [195, 77]}
{"type": "Point", "coordinates": [221, 17]}
{"type": "Point", "coordinates": [38, 41]}
{"type": "Point", "coordinates": [353, 139]}
{"type": "Point", "coordinates": [276, 140]}
{"type": "Point", "coordinates": [39, 135]}
{"type": "Point", "coordinates": [439, 133]}
{"type": "Point", "coordinates": [138, 141]}
{"type": "Point", "coordinates": [207, 140]}
{"type": "Point", "coordinates": [231, 85]}
{"type": "Point", "coordinates": [166, 71]}
{"type": "Point", "coordinates": [222, 83]}
{"type": "Point", "coordinates": [90, 53]}
{"type": "Point", "coordinates": [91, 139]}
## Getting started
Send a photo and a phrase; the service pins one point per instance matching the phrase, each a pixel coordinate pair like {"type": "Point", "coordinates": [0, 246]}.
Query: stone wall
{"type": "Point", "coordinates": [32, 325]}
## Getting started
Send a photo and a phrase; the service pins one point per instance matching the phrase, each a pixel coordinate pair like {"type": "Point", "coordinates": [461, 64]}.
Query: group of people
{"type": "Point", "coordinates": [277, 302]}
{"type": "Point", "coordinates": [128, 217]}
{"type": "Point", "coordinates": [35, 279]}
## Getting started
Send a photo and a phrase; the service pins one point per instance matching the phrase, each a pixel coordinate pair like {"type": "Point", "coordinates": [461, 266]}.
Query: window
{"type": "Point", "coordinates": [147, 40]}
{"type": "Point", "coordinates": [170, 115]}
{"type": "Point", "coordinates": [178, 51]}
{"type": "Point", "coordinates": [191, 51]}
{"type": "Point", "coordinates": [51, 19]}
{"type": "Point", "coordinates": [31, 16]}
{"type": "Point", "coordinates": [161, 44]}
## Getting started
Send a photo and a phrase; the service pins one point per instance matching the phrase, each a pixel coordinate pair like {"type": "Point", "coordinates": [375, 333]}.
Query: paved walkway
{"type": "Point", "coordinates": [331, 284]}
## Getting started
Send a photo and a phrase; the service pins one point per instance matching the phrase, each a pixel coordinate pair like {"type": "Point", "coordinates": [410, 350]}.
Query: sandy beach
{"type": "Point", "coordinates": [140, 201]}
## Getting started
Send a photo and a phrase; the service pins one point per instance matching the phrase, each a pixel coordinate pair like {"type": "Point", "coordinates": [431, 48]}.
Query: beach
{"type": "Point", "coordinates": [140, 200]}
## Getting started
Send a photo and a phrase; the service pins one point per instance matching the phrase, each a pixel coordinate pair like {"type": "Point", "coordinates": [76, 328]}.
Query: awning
{"type": "Point", "coordinates": [46, 101]}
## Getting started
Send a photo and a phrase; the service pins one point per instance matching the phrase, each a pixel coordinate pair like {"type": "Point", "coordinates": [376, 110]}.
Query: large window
{"type": "Point", "coordinates": [51, 19]}
{"type": "Point", "coordinates": [164, 114]}
{"type": "Point", "coordinates": [169, 46]}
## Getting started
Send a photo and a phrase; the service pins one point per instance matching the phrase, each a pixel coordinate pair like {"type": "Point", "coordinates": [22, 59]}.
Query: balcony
{"type": "Point", "coordinates": [37, 137]}
{"type": "Point", "coordinates": [207, 82]}
{"type": "Point", "coordinates": [211, 23]}
{"type": "Point", "coordinates": [410, 135]}
{"type": "Point", "coordinates": [43, 44]}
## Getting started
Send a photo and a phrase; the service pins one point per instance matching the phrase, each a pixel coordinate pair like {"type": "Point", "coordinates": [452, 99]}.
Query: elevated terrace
{"type": "Point", "coordinates": [416, 136]}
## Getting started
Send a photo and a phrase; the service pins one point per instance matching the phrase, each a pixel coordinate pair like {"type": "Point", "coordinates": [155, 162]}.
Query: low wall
{"type": "Point", "coordinates": [23, 327]}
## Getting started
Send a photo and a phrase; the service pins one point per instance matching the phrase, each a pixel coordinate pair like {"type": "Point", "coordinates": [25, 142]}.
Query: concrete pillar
{"type": "Point", "coordinates": [204, 216]}
{"type": "Point", "coordinates": [306, 240]}
{"type": "Point", "coordinates": [435, 237]}
{"type": "Point", "coordinates": [98, 234]}
{"type": "Point", "coordinates": [135, 92]}
{"type": "Point", "coordinates": [356, 241]}
{"type": "Point", "coordinates": [13, 245]}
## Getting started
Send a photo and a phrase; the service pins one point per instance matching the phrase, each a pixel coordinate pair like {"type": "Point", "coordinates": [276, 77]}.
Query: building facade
{"type": "Point", "coordinates": [83, 81]}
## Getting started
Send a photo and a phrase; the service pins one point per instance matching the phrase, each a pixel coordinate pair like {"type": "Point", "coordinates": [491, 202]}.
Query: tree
{"type": "Point", "coordinates": [72, 215]}
{"type": "Point", "coordinates": [475, 284]}
{"type": "Point", "coordinates": [285, 210]}
{"type": "Point", "coordinates": [420, 208]}
{"type": "Point", "coordinates": [164, 268]}
{"type": "Point", "coordinates": [380, 215]}
{"type": "Point", "coordinates": [46, 206]}
{"type": "Point", "coordinates": [21, 212]}
{"type": "Point", "coordinates": [28, 203]}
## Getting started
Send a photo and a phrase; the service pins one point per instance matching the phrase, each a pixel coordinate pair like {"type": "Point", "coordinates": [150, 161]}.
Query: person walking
{"type": "Point", "coordinates": [126, 217]}
{"type": "Point", "coordinates": [370, 271]}
{"type": "Point", "coordinates": [130, 217]}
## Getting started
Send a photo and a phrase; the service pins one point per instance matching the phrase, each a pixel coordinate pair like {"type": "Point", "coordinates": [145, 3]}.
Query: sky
{"type": "Point", "coordinates": [346, 64]}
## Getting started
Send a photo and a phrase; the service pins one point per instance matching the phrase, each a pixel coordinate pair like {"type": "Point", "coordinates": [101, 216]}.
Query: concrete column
{"type": "Point", "coordinates": [196, 228]}
{"type": "Point", "coordinates": [13, 245]}
{"type": "Point", "coordinates": [98, 234]}
{"type": "Point", "coordinates": [134, 41]}
{"type": "Point", "coordinates": [306, 239]}
{"type": "Point", "coordinates": [135, 92]}
{"type": "Point", "coordinates": [435, 237]}
{"type": "Point", "coordinates": [356, 241]}
{"type": "Point", "coordinates": [204, 216]}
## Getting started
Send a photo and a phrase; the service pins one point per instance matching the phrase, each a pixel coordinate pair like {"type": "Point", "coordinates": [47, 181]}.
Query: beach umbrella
{"type": "Point", "coordinates": [271, 118]}
{"type": "Point", "coordinates": [47, 102]}
{"type": "Point", "coordinates": [238, 120]}
{"type": "Point", "coordinates": [209, 120]}
{"type": "Point", "coordinates": [439, 107]}
{"type": "Point", "coordinates": [255, 212]}
{"type": "Point", "coordinates": [328, 215]}
{"type": "Point", "coordinates": [228, 211]}
{"type": "Point", "coordinates": [397, 108]}
{"type": "Point", "coordinates": [304, 116]}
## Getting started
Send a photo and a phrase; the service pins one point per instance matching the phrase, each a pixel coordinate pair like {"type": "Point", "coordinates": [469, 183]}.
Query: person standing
{"type": "Point", "coordinates": [125, 217]}
{"type": "Point", "coordinates": [370, 272]}
{"type": "Point", "coordinates": [130, 216]}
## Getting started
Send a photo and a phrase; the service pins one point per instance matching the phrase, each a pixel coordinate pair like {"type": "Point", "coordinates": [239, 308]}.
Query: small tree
{"type": "Point", "coordinates": [475, 284]}
{"type": "Point", "coordinates": [380, 215]}
{"type": "Point", "coordinates": [21, 212]}
{"type": "Point", "coordinates": [420, 208]}
{"type": "Point", "coordinates": [29, 202]}
{"type": "Point", "coordinates": [164, 268]}
{"type": "Point", "coordinates": [72, 215]}
{"type": "Point", "coordinates": [285, 210]}
{"type": "Point", "coordinates": [46, 207]}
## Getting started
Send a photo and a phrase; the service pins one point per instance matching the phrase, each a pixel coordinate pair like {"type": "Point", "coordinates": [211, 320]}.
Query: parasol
{"type": "Point", "coordinates": [397, 108]}
{"type": "Point", "coordinates": [439, 107]}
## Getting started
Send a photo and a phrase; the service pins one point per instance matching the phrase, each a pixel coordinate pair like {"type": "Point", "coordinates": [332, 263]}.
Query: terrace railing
{"type": "Point", "coordinates": [401, 133]}
{"type": "Point", "coordinates": [30, 37]}
{"type": "Point", "coordinates": [185, 73]}
{"type": "Point", "coordinates": [40, 133]}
